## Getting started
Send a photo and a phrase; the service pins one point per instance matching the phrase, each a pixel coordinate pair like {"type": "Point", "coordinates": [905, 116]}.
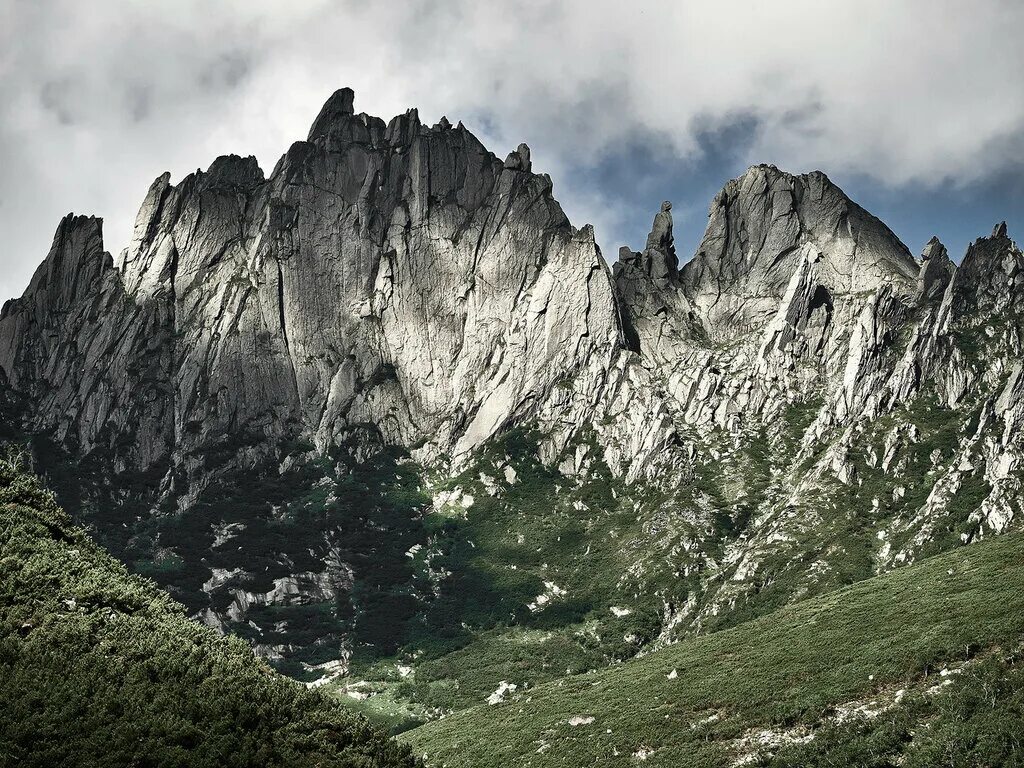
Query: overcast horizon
{"type": "Point", "coordinates": [916, 111]}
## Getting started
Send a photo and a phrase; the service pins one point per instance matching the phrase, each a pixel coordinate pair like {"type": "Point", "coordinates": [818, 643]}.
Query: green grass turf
{"type": "Point", "coordinates": [780, 671]}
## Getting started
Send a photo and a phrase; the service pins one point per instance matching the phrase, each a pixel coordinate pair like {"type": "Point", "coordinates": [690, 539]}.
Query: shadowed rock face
{"type": "Point", "coordinates": [936, 271]}
{"type": "Point", "coordinates": [93, 365]}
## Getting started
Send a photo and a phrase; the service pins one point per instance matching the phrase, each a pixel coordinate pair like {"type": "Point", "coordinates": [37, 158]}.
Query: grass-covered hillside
{"type": "Point", "coordinates": [100, 668]}
{"type": "Point", "coordinates": [918, 667]}
{"type": "Point", "coordinates": [532, 576]}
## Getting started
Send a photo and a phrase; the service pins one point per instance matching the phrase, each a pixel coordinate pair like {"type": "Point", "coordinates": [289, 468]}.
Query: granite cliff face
{"type": "Point", "coordinates": [768, 309]}
{"type": "Point", "coordinates": [387, 285]}
{"type": "Point", "coordinates": [393, 277]}
{"type": "Point", "coordinates": [390, 385]}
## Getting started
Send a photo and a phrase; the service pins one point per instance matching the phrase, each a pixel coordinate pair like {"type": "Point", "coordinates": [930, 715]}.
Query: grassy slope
{"type": "Point", "coordinates": [587, 538]}
{"type": "Point", "coordinates": [623, 549]}
{"type": "Point", "coordinates": [98, 667]}
{"type": "Point", "coordinates": [782, 670]}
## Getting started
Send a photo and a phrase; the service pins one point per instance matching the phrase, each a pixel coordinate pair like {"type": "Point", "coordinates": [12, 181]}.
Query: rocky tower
{"type": "Point", "coordinates": [396, 276]}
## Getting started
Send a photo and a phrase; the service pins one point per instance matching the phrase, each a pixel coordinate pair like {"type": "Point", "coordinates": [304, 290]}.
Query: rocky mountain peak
{"type": "Point", "coordinates": [990, 274]}
{"type": "Point", "coordinates": [395, 276]}
{"type": "Point", "coordinates": [761, 228]}
{"type": "Point", "coordinates": [72, 268]}
{"type": "Point", "coordinates": [85, 356]}
{"type": "Point", "coordinates": [660, 237]}
{"type": "Point", "coordinates": [933, 249]}
{"type": "Point", "coordinates": [339, 106]}
{"type": "Point", "coordinates": [403, 129]}
{"type": "Point", "coordinates": [937, 270]}
{"type": "Point", "coordinates": [654, 308]}
{"type": "Point", "coordinates": [658, 261]}
{"type": "Point", "coordinates": [520, 159]}
{"type": "Point", "coordinates": [233, 169]}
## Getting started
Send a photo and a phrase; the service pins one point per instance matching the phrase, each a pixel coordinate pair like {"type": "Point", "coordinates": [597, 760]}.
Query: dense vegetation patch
{"type": "Point", "coordinates": [536, 575]}
{"type": "Point", "coordinates": [975, 718]}
{"type": "Point", "coordinates": [707, 700]}
{"type": "Point", "coordinates": [100, 668]}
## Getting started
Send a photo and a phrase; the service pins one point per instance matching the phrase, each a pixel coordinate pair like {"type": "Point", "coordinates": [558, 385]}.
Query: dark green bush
{"type": "Point", "coordinates": [100, 668]}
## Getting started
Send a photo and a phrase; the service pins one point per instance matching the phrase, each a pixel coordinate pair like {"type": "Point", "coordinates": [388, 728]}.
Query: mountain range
{"type": "Point", "coordinates": [388, 416]}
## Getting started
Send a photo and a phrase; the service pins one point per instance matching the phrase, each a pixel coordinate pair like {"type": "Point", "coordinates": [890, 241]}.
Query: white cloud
{"type": "Point", "coordinates": [96, 99]}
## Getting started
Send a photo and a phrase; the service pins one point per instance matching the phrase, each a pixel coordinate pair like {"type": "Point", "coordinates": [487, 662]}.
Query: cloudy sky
{"type": "Point", "coordinates": [914, 107]}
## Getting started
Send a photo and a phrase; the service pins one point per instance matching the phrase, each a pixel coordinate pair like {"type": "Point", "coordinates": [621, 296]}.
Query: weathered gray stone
{"type": "Point", "coordinates": [401, 277]}
{"type": "Point", "coordinates": [519, 160]}
{"type": "Point", "coordinates": [936, 271]}
{"type": "Point", "coordinates": [338, 107]}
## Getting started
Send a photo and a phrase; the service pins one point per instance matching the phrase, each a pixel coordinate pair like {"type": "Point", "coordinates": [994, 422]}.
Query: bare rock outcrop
{"type": "Point", "coordinates": [391, 275]}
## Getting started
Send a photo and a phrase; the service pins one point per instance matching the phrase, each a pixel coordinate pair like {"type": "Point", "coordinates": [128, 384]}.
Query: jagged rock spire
{"type": "Point", "coordinates": [658, 260]}
{"type": "Point", "coordinates": [660, 238]}
{"type": "Point", "coordinates": [520, 159]}
{"type": "Point", "coordinates": [936, 271]}
{"type": "Point", "coordinates": [933, 249]}
{"type": "Point", "coordinates": [72, 269]}
{"type": "Point", "coordinates": [989, 276]}
{"type": "Point", "coordinates": [338, 106]}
